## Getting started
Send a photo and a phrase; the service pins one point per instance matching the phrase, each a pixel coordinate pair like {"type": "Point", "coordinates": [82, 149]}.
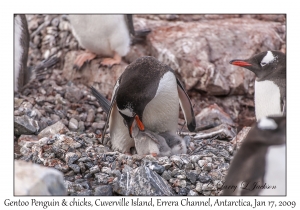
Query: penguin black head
{"type": "Point", "coordinates": [264, 64]}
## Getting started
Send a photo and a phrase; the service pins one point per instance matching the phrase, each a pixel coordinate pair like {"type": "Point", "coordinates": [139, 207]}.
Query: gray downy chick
{"type": "Point", "coordinates": [148, 142]}
{"type": "Point", "coordinates": [175, 142]}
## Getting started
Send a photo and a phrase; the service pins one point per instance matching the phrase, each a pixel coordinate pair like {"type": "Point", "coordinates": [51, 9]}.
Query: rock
{"type": "Point", "coordinates": [177, 160]}
{"type": "Point", "coordinates": [29, 140]}
{"type": "Point", "coordinates": [73, 124]}
{"type": "Point", "coordinates": [212, 116]}
{"type": "Point", "coordinates": [71, 157]}
{"type": "Point", "coordinates": [142, 181]}
{"type": "Point", "coordinates": [223, 131]}
{"type": "Point", "coordinates": [73, 94]}
{"type": "Point", "coordinates": [25, 125]}
{"type": "Point", "coordinates": [32, 179]}
{"type": "Point", "coordinates": [104, 190]}
{"type": "Point", "coordinates": [58, 127]}
{"type": "Point", "coordinates": [192, 176]}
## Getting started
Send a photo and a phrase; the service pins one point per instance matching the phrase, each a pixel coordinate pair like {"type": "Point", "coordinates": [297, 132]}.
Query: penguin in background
{"type": "Point", "coordinates": [104, 35]}
{"type": "Point", "coordinates": [269, 68]}
{"type": "Point", "coordinates": [148, 93]}
{"type": "Point", "coordinates": [21, 47]}
{"type": "Point", "coordinates": [259, 166]}
{"type": "Point", "coordinates": [23, 74]}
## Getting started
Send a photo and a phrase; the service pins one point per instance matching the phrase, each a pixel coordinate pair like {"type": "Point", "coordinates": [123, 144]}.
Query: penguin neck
{"type": "Point", "coordinates": [267, 99]}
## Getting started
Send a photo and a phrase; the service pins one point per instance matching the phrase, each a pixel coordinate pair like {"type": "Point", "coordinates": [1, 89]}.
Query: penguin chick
{"type": "Point", "coordinates": [149, 93]}
{"type": "Point", "coordinates": [148, 142]}
{"type": "Point", "coordinates": [259, 166]}
{"type": "Point", "coordinates": [270, 84]}
{"type": "Point", "coordinates": [105, 35]}
{"type": "Point", "coordinates": [175, 142]}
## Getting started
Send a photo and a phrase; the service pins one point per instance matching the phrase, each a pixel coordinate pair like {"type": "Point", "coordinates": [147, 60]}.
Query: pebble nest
{"type": "Point", "coordinates": [59, 124]}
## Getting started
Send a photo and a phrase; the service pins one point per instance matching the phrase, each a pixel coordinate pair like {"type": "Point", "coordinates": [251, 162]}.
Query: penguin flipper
{"type": "Point", "coordinates": [129, 22]}
{"type": "Point", "coordinates": [104, 103]}
{"type": "Point", "coordinates": [186, 106]}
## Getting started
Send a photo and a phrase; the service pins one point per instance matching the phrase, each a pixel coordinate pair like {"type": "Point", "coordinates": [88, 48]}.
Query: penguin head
{"type": "Point", "coordinates": [263, 64]}
{"type": "Point", "coordinates": [130, 115]}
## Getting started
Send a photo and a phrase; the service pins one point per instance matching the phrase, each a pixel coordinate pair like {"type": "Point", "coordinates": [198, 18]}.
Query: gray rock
{"type": "Point", "coordinates": [104, 190]}
{"type": "Point", "coordinates": [75, 167]}
{"type": "Point", "coordinates": [73, 124]}
{"type": "Point", "coordinates": [142, 181]}
{"type": "Point", "coordinates": [94, 169]}
{"type": "Point", "coordinates": [167, 175]}
{"type": "Point", "coordinates": [192, 176]}
{"type": "Point", "coordinates": [32, 179]}
{"type": "Point", "coordinates": [177, 160]}
{"type": "Point", "coordinates": [25, 125]}
{"type": "Point", "coordinates": [71, 157]}
{"type": "Point", "coordinates": [58, 127]}
{"type": "Point", "coordinates": [192, 193]}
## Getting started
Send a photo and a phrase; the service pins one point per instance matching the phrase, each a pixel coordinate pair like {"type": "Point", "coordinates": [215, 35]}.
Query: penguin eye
{"type": "Point", "coordinates": [263, 63]}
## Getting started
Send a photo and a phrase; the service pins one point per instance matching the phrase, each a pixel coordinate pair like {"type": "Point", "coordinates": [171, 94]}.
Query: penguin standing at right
{"type": "Point", "coordinates": [259, 166]}
{"type": "Point", "coordinates": [270, 84]}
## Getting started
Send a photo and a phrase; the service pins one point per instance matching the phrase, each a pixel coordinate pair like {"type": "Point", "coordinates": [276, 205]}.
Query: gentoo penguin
{"type": "Point", "coordinates": [25, 74]}
{"type": "Point", "coordinates": [21, 42]}
{"type": "Point", "coordinates": [148, 142]}
{"type": "Point", "coordinates": [149, 93]}
{"type": "Point", "coordinates": [270, 84]}
{"type": "Point", "coordinates": [259, 166]}
{"type": "Point", "coordinates": [105, 35]}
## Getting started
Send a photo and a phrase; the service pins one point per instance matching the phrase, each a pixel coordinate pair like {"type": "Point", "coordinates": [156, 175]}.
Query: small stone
{"type": "Point", "coordinates": [81, 126]}
{"type": "Point", "coordinates": [104, 190]}
{"type": "Point", "coordinates": [49, 131]}
{"type": "Point", "coordinates": [106, 170]}
{"type": "Point", "coordinates": [155, 167]}
{"type": "Point", "coordinates": [91, 115]}
{"type": "Point", "coordinates": [177, 160]}
{"type": "Point", "coordinates": [192, 193]}
{"type": "Point", "coordinates": [82, 167]}
{"type": "Point", "coordinates": [98, 125]}
{"type": "Point", "coordinates": [208, 167]}
{"type": "Point", "coordinates": [25, 125]}
{"type": "Point", "coordinates": [199, 187]}
{"type": "Point", "coordinates": [33, 139]}
{"type": "Point", "coordinates": [192, 176]}
{"type": "Point", "coordinates": [75, 168]}
{"type": "Point", "coordinates": [73, 124]}
{"type": "Point", "coordinates": [94, 169]}
{"type": "Point", "coordinates": [204, 179]}
{"type": "Point", "coordinates": [201, 163]}
{"type": "Point", "coordinates": [223, 166]}
{"type": "Point", "coordinates": [102, 178]}
{"type": "Point", "coordinates": [166, 175]}
{"type": "Point", "coordinates": [71, 157]}
{"type": "Point", "coordinates": [183, 191]}
{"type": "Point", "coordinates": [195, 158]}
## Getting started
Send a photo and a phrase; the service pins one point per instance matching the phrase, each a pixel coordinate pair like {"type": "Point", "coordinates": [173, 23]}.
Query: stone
{"type": "Point", "coordinates": [238, 139]}
{"type": "Point", "coordinates": [73, 124]}
{"type": "Point", "coordinates": [73, 94]}
{"type": "Point", "coordinates": [51, 130]}
{"type": "Point", "coordinates": [212, 116]}
{"type": "Point", "coordinates": [35, 180]}
{"type": "Point", "coordinates": [104, 190]}
{"type": "Point", "coordinates": [192, 176]}
{"type": "Point", "coordinates": [177, 160]}
{"type": "Point", "coordinates": [140, 182]}
{"type": "Point", "coordinates": [25, 139]}
{"type": "Point", "coordinates": [25, 125]}
{"type": "Point", "coordinates": [71, 157]}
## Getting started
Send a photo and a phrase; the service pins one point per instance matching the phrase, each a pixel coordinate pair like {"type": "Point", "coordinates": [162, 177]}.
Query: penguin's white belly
{"type": "Point", "coordinates": [267, 99]}
{"type": "Point", "coordinates": [275, 171]}
{"type": "Point", "coordinates": [101, 34]}
{"type": "Point", "coordinates": [161, 113]}
{"type": "Point", "coordinates": [18, 50]}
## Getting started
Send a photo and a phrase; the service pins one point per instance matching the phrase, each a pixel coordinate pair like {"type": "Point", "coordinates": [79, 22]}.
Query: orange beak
{"type": "Point", "coordinates": [139, 124]}
{"type": "Point", "coordinates": [239, 63]}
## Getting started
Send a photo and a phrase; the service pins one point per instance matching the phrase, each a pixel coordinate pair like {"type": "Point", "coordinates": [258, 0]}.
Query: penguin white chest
{"type": "Point", "coordinates": [267, 99]}
{"type": "Point", "coordinates": [161, 113]}
{"type": "Point", "coordinates": [275, 170]}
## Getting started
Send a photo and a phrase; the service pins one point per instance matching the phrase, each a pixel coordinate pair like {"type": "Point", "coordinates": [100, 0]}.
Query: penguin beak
{"type": "Point", "coordinates": [240, 63]}
{"type": "Point", "coordinates": [139, 124]}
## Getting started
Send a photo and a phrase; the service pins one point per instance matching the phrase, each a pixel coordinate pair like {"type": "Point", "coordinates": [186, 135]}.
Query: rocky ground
{"type": "Point", "coordinates": [58, 123]}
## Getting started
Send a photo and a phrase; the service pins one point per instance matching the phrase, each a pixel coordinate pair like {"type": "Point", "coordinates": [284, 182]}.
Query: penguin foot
{"type": "Point", "coordinates": [83, 58]}
{"type": "Point", "coordinates": [154, 154]}
{"type": "Point", "coordinates": [111, 61]}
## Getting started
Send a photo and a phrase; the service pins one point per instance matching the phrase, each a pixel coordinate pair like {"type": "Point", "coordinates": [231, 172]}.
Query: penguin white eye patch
{"type": "Point", "coordinates": [269, 58]}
